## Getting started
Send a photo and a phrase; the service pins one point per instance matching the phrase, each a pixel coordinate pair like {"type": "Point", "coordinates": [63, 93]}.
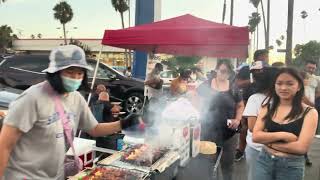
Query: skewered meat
{"type": "Point", "coordinates": [106, 173]}
{"type": "Point", "coordinates": [143, 155]}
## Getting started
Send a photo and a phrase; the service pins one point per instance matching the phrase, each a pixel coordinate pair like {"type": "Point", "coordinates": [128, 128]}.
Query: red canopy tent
{"type": "Point", "coordinates": [184, 35]}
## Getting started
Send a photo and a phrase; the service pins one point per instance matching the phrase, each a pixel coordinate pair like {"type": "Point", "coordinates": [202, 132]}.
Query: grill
{"type": "Point", "coordinates": [163, 164]}
{"type": "Point", "coordinates": [109, 173]}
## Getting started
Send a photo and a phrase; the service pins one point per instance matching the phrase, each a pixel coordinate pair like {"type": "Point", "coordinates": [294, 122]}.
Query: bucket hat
{"type": "Point", "coordinates": [67, 56]}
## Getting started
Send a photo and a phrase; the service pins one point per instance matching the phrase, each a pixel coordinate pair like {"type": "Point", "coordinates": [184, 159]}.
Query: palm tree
{"type": "Point", "coordinates": [32, 36]}
{"type": "Point", "coordinates": [39, 35]}
{"type": "Point", "coordinates": [63, 13]}
{"type": "Point", "coordinates": [254, 20]}
{"type": "Point", "coordinates": [5, 37]}
{"type": "Point", "coordinates": [253, 23]}
{"type": "Point", "coordinates": [122, 6]}
{"type": "Point", "coordinates": [289, 32]}
{"type": "Point", "coordinates": [304, 14]}
{"type": "Point", "coordinates": [279, 42]}
{"type": "Point", "coordinates": [266, 25]}
{"type": "Point", "coordinates": [224, 11]}
{"type": "Point", "coordinates": [255, 3]}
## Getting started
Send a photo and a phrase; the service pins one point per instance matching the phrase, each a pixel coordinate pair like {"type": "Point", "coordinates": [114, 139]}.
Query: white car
{"type": "Point", "coordinates": [167, 76]}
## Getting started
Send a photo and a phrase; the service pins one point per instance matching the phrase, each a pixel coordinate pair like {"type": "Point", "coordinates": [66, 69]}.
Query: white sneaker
{"type": "Point", "coordinates": [317, 136]}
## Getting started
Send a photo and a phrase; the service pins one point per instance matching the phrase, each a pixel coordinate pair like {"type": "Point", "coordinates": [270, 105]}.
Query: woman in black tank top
{"type": "Point", "coordinates": [286, 127]}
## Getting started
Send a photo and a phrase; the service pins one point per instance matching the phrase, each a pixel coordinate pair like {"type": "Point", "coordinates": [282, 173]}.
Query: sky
{"type": "Point", "coordinates": [91, 18]}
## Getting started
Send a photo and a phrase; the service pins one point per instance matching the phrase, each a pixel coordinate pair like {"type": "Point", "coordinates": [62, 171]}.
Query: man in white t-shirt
{"type": "Point", "coordinates": [263, 77]}
{"type": "Point", "coordinates": [312, 89]}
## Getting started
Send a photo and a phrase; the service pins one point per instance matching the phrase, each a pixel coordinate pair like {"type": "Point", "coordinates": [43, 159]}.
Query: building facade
{"type": "Point", "coordinates": [111, 55]}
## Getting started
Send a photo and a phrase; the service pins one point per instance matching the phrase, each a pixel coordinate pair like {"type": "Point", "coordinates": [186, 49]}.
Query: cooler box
{"type": "Point", "coordinates": [83, 149]}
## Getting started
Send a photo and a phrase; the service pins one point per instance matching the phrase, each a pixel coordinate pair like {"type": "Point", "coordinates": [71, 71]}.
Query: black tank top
{"type": "Point", "coordinates": [293, 127]}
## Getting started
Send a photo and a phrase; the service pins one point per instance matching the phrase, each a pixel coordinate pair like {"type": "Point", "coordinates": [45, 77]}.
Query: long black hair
{"type": "Point", "coordinates": [274, 100]}
{"type": "Point", "coordinates": [55, 81]}
{"type": "Point", "coordinates": [265, 80]}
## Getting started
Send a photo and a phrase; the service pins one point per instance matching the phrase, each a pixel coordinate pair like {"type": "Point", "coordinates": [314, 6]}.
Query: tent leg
{"type": "Point", "coordinates": [93, 80]}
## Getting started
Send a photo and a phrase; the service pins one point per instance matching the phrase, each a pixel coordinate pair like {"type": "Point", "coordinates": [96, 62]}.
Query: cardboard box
{"type": "Point", "coordinates": [181, 142]}
{"type": "Point", "coordinates": [195, 132]}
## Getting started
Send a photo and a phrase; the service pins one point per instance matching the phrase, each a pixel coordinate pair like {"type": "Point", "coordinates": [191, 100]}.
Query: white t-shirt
{"type": "Point", "coordinates": [41, 149]}
{"type": "Point", "coordinates": [310, 89]}
{"type": "Point", "coordinates": [252, 110]}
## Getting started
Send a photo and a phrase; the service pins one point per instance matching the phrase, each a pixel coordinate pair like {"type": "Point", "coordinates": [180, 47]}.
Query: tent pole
{"type": "Point", "coordinates": [93, 79]}
{"type": "Point", "coordinates": [95, 74]}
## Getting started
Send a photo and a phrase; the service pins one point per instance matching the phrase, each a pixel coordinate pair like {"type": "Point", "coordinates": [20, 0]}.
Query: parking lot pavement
{"type": "Point", "coordinates": [311, 173]}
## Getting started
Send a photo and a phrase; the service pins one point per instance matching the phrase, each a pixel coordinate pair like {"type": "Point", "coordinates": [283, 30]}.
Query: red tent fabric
{"type": "Point", "coordinates": [184, 35]}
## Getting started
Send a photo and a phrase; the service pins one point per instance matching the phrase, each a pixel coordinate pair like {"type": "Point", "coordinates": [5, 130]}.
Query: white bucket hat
{"type": "Point", "coordinates": [67, 56]}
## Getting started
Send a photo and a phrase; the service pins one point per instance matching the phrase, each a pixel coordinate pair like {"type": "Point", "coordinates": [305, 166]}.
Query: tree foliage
{"type": "Point", "coordinates": [85, 47]}
{"type": "Point", "coordinates": [255, 3]}
{"type": "Point", "coordinates": [181, 62]}
{"type": "Point", "coordinates": [63, 12]}
{"type": "Point", "coordinates": [304, 14]}
{"type": "Point", "coordinates": [120, 5]}
{"type": "Point", "coordinates": [309, 51]}
{"type": "Point", "coordinates": [6, 37]}
{"type": "Point", "coordinates": [254, 20]}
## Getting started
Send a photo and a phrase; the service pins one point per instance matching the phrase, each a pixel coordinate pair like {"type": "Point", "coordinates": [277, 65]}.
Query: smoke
{"type": "Point", "coordinates": [166, 116]}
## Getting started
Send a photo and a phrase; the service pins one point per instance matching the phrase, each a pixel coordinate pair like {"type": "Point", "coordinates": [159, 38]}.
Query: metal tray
{"type": "Point", "coordinates": [159, 166]}
{"type": "Point", "coordinates": [139, 175]}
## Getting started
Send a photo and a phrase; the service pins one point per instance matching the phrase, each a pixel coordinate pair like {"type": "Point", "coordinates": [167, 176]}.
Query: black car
{"type": "Point", "coordinates": [23, 71]}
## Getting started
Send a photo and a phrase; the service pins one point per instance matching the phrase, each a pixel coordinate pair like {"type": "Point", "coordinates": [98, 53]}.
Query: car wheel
{"type": "Point", "coordinates": [134, 103]}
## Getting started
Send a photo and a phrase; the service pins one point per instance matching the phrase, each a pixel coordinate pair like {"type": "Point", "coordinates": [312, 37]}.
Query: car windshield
{"type": "Point", "coordinates": [169, 74]}
{"type": "Point", "coordinates": [104, 71]}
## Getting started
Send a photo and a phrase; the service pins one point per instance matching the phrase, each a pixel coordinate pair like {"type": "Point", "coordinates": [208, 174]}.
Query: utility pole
{"type": "Point", "coordinates": [231, 12]}
{"type": "Point", "coordinates": [289, 32]}
{"type": "Point", "coordinates": [268, 25]}
{"type": "Point", "coordinates": [129, 14]}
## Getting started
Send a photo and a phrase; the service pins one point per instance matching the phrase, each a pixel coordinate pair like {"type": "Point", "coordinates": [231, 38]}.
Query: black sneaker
{"type": "Point", "coordinates": [239, 155]}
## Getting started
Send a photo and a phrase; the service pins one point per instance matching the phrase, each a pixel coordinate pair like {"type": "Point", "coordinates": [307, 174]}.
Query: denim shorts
{"type": "Point", "coordinates": [271, 167]}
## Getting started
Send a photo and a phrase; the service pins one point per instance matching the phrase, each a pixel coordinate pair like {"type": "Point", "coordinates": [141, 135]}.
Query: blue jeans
{"type": "Point", "coordinates": [270, 167]}
{"type": "Point", "coordinates": [251, 159]}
